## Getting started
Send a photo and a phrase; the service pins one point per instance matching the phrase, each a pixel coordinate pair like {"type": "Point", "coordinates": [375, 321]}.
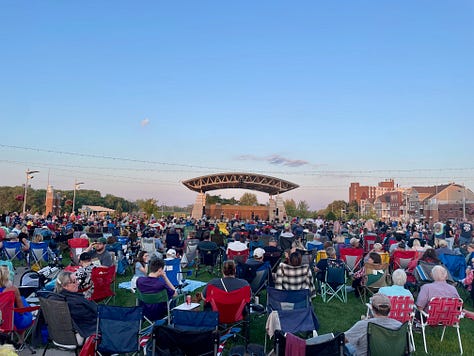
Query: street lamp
{"type": "Point", "coordinates": [29, 175]}
{"type": "Point", "coordinates": [77, 185]}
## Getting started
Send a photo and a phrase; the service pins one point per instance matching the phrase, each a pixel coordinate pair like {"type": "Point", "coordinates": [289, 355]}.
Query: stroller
{"type": "Point", "coordinates": [32, 281]}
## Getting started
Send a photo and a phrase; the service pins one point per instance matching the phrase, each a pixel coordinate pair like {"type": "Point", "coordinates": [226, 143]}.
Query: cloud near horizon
{"type": "Point", "coordinates": [275, 159]}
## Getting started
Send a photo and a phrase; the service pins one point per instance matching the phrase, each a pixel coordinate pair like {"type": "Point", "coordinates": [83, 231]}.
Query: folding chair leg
{"type": "Point", "coordinates": [442, 334]}
{"type": "Point", "coordinates": [459, 339]}
{"type": "Point", "coordinates": [424, 338]}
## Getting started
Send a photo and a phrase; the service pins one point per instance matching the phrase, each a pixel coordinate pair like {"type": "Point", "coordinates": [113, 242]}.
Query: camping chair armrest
{"type": "Point", "coordinates": [26, 309]}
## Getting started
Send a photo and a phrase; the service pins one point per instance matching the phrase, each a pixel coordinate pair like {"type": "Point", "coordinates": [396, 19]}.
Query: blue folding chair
{"type": "Point", "coordinates": [39, 253]}
{"type": "Point", "coordinates": [293, 309]}
{"type": "Point", "coordinates": [190, 332]}
{"type": "Point", "coordinates": [174, 272]}
{"type": "Point", "coordinates": [119, 329]}
{"type": "Point", "coordinates": [455, 264]}
{"type": "Point", "coordinates": [12, 250]}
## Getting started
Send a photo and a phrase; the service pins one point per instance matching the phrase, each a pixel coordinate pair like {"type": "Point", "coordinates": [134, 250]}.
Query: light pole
{"type": "Point", "coordinates": [29, 175]}
{"type": "Point", "coordinates": [77, 185]}
{"type": "Point", "coordinates": [464, 202]}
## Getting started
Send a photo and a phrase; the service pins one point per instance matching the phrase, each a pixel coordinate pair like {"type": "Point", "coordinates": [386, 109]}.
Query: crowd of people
{"type": "Point", "coordinates": [282, 248]}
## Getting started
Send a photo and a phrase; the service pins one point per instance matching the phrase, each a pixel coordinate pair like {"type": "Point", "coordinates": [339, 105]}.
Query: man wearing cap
{"type": "Point", "coordinates": [257, 260]}
{"type": "Point", "coordinates": [356, 336]}
{"type": "Point", "coordinates": [98, 252]}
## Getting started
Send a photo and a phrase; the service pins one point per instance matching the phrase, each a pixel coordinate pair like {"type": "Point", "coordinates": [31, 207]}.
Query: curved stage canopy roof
{"type": "Point", "coordinates": [266, 184]}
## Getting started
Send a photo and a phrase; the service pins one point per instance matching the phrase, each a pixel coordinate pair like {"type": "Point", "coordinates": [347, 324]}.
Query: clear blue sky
{"type": "Point", "coordinates": [318, 93]}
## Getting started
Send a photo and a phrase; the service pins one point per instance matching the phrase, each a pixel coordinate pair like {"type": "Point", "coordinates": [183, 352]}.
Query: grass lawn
{"type": "Point", "coordinates": [336, 316]}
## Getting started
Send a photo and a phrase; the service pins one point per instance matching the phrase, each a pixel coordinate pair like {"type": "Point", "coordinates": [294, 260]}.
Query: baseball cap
{"type": "Point", "coordinates": [379, 300]}
{"type": "Point", "coordinates": [171, 253]}
{"type": "Point", "coordinates": [259, 252]}
{"type": "Point", "coordinates": [102, 240]}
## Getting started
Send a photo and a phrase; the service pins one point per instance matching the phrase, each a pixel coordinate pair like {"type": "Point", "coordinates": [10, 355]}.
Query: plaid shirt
{"type": "Point", "coordinates": [295, 278]}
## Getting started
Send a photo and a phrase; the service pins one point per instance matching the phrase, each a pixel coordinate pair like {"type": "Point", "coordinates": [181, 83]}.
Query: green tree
{"type": "Point", "coordinates": [149, 206]}
{"type": "Point", "coordinates": [303, 209]}
{"type": "Point", "coordinates": [330, 216]}
{"type": "Point", "coordinates": [248, 199]}
{"type": "Point", "coordinates": [290, 207]}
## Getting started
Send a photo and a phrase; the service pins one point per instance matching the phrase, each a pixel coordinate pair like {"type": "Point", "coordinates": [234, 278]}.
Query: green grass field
{"type": "Point", "coordinates": [337, 316]}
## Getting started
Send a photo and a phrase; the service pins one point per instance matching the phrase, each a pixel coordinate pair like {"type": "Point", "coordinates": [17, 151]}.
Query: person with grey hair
{"type": "Point", "coordinates": [438, 288]}
{"type": "Point", "coordinates": [399, 278]}
{"type": "Point", "coordinates": [83, 311]}
{"type": "Point", "coordinates": [356, 336]}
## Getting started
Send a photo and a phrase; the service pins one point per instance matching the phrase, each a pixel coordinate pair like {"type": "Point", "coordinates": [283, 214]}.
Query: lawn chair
{"type": "Point", "coordinates": [232, 308]}
{"type": "Point", "coordinates": [369, 241]}
{"type": "Point", "coordinates": [442, 312]}
{"type": "Point", "coordinates": [103, 279]}
{"type": "Point", "coordinates": [334, 284]}
{"type": "Point", "coordinates": [12, 250]}
{"type": "Point", "coordinates": [291, 310]}
{"type": "Point", "coordinates": [148, 244]}
{"type": "Point", "coordinates": [321, 255]}
{"type": "Point", "coordinates": [238, 256]}
{"type": "Point", "coordinates": [209, 258]}
{"type": "Point", "coordinates": [39, 254]}
{"type": "Point", "coordinates": [118, 329]}
{"type": "Point", "coordinates": [77, 246]}
{"type": "Point", "coordinates": [190, 250]}
{"type": "Point", "coordinates": [285, 242]}
{"type": "Point", "coordinates": [174, 273]}
{"type": "Point", "coordinates": [274, 258]}
{"type": "Point", "coordinates": [382, 341]}
{"type": "Point", "coordinates": [402, 308]}
{"type": "Point", "coordinates": [322, 345]}
{"type": "Point", "coordinates": [401, 259]}
{"type": "Point", "coordinates": [455, 264]}
{"type": "Point", "coordinates": [8, 310]}
{"type": "Point", "coordinates": [352, 257]}
{"type": "Point", "coordinates": [59, 323]}
{"type": "Point", "coordinates": [190, 332]}
{"type": "Point", "coordinates": [153, 301]}
{"type": "Point", "coordinates": [376, 277]}
{"type": "Point", "coordinates": [258, 276]}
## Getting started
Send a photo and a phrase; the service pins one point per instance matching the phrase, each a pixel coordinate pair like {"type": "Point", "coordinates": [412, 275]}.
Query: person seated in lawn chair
{"type": "Point", "coordinates": [155, 282]}
{"type": "Point", "coordinates": [229, 282]}
{"type": "Point", "coordinates": [356, 336]}
{"type": "Point", "coordinates": [99, 253]}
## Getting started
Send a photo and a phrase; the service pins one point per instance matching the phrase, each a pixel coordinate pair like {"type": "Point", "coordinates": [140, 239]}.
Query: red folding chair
{"type": "Point", "coordinates": [7, 327]}
{"type": "Point", "coordinates": [443, 312]}
{"type": "Point", "coordinates": [403, 309]}
{"type": "Point", "coordinates": [103, 279]}
{"type": "Point", "coordinates": [401, 259]}
{"type": "Point", "coordinates": [240, 256]}
{"type": "Point", "coordinates": [77, 245]}
{"type": "Point", "coordinates": [369, 242]}
{"type": "Point", "coordinates": [231, 307]}
{"type": "Point", "coordinates": [352, 257]}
